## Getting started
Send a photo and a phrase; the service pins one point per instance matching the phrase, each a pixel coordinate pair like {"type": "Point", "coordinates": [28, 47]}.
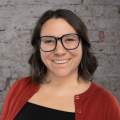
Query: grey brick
{"type": "Point", "coordinates": [102, 2]}
{"type": "Point", "coordinates": [18, 18]}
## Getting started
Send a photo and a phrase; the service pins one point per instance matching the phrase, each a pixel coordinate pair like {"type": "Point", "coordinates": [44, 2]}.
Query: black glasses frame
{"type": "Point", "coordinates": [61, 40]}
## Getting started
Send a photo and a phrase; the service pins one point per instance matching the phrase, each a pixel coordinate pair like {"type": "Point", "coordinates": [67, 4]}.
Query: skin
{"type": "Point", "coordinates": [62, 78]}
{"type": "Point", "coordinates": [60, 72]}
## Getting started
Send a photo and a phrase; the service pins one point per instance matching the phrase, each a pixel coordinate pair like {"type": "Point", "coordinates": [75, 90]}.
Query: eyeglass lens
{"type": "Point", "coordinates": [69, 42]}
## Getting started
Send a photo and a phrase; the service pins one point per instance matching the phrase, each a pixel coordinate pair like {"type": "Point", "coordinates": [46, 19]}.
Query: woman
{"type": "Point", "coordinates": [60, 86]}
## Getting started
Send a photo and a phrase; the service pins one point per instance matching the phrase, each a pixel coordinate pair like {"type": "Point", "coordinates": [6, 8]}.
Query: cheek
{"type": "Point", "coordinates": [78, 52]}
{"type": "Point", "coordinates": [77, 55]}
{"type": "Point", "coordinates": [45, 57]}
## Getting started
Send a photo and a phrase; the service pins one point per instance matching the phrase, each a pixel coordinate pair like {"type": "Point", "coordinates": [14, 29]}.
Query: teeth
{"type": "Point", "coordinates": [60, 61]}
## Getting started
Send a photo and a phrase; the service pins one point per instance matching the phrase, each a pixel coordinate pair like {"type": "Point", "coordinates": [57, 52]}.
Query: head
{"type": "Point", "coordinates": [60, 25]}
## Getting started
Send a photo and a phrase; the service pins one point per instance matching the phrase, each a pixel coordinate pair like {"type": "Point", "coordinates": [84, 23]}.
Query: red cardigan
{"type": "Point", "coordinates": [94, 104]}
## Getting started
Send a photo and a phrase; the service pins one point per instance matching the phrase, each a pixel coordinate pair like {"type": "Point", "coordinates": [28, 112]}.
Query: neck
{"type": "Point", "coordinates": [63, 81]}
{"type": "Point", "coordinates": [67, 85]}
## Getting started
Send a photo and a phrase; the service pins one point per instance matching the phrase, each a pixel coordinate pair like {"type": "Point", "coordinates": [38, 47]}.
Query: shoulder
{"type": "Point", "coordinates": [103, 92]}
{"type": "Point", "coordinates": [22, 86]}
{"type": "Point", "coordinates": [12, 95]}
{"type": "Point", "coordinates": [106, 101]}
{"type": "Point", "coordinates": [18, 85]}
{"type": "Point", "coordinates": [106, 97]}
{"type": "Point", "coordinates": [21, 82]}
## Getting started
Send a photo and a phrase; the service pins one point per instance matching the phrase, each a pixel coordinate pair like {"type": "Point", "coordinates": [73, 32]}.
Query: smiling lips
{"type": "Point", "coordinates": [61, 61]}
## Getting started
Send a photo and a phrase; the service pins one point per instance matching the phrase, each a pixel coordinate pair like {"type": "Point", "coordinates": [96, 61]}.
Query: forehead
{"type": "Point", "coordinates": [56, 27]}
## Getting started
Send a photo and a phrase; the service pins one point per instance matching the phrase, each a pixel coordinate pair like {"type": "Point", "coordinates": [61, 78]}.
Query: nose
{"type": "Point", "coordinates": [60, 48]}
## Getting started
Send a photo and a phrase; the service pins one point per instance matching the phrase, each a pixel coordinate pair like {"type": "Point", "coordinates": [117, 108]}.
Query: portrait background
{"type": "Point", "coordinates": [18, 18]}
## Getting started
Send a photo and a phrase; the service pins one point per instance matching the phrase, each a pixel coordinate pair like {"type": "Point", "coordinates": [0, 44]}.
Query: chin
{"type": "Point", "coordinates": [62, 74]}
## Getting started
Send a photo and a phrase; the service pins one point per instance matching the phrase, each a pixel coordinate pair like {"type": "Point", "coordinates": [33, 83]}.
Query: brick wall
{"type": "Point", "coordinates": [18, 18]}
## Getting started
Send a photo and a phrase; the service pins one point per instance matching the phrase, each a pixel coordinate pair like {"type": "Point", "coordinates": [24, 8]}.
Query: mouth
{"type": "Point", "coordinates": [64, 61]}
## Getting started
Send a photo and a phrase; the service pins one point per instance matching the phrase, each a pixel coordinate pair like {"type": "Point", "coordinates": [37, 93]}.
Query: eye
{"type": "Point", "coordinates": [48, 41]}
{"type": "Point", "coordinates": [70, 39]}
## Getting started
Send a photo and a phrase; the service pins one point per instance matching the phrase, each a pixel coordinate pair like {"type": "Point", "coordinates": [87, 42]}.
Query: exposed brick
{"type": "Point", "coordinates": [102, 2]}
{"type": "Point", "coordinates": [18, 18]}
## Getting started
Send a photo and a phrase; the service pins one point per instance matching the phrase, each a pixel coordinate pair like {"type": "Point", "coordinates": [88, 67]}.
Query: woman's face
{"type": "Point", "coordinates": [60, 62]}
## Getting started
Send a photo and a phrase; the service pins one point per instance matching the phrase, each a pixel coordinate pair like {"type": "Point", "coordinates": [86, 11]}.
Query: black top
{"type": "Point", "coordinates": [31, 111]}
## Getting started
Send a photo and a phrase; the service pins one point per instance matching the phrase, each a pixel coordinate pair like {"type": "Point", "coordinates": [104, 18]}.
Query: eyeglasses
{"type": "Point", "coordinates": [68, 41]}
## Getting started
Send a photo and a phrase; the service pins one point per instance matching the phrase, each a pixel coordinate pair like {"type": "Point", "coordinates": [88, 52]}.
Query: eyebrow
{"type": "Point", "coordinates": [60, 36]}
